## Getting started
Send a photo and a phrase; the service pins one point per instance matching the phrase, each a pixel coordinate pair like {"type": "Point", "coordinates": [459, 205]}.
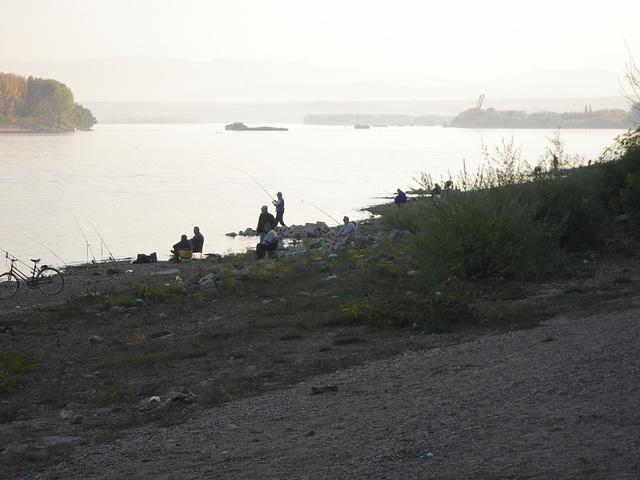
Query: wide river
{"type": "Point", "coordinates": [126, 189]}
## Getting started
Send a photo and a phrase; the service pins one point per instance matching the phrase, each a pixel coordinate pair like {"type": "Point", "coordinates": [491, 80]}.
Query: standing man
{"type": "Point", "coordinates": [279, 204]}
{"type": "Point", "coordinates": [264, 218]}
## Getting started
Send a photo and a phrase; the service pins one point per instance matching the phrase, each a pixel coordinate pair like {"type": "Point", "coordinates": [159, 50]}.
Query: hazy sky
{"type": "Point", "coordinates": [448, 39]}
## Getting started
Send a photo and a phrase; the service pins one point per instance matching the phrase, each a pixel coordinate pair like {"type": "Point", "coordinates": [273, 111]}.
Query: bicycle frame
{"type": "Point", "coordinates": [21, 275]}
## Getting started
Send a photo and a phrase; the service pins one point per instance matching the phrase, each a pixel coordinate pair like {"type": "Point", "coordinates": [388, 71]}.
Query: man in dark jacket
{"type": "Point", "coordinates": [401, 199]}
{"type": "Point", "coordinates": [264, 218]}
{"type": "Point", "coordinates": [197, 241]}
{"type": "Point", "coordinates": [183, 244]}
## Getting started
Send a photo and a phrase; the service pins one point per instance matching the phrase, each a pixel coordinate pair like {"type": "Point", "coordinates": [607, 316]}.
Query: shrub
{"type": "Point", "coordinates": [620, 187]}
{"type": "Point", "coordinates": [568, 203]}
{"type": "Point", "coordinates": [408, 219]}
{"type": "Point", "coordinates": [480, 234]}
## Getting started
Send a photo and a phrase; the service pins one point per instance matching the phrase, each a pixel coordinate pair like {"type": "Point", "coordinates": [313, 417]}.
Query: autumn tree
{"type": "Point", "coordinates": [39, 103]}
{"type": "Point", "coordinates": [13, 89]}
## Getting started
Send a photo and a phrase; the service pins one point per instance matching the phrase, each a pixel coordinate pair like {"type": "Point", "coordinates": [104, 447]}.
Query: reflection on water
{"type": "Point", "coordinates": [136, 188]}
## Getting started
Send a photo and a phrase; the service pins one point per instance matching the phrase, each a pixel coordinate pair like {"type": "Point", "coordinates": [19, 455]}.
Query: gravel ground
{"type": "Point", "coordinates": [559, 401]}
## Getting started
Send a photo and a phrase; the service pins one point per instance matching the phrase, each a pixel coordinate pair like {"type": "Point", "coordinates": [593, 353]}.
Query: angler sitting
{"type": "Point", "coordinates": [349, 228]}
{"type": "Point", "coordinates": [270, 242]}
{"type": "Point", "coordinates": [183, 245]}
{"type": "Point", "coordinates": [197, 241]}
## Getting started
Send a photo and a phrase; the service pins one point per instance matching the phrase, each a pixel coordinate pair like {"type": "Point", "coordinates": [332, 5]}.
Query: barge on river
{"type": "Point", "coordinates": [241, 127]}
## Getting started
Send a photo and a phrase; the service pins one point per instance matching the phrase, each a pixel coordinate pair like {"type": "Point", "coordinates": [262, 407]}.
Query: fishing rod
{"type": "Point", "coordinates": [383, 189]}
{"type": "Point", "coordinates": [10, 256]}
{"type": "Point", "coordinates": [54, 253]}
{"type": "Point", "coordinates": [318, 208]}
{"type": "Point", "coordinates": [85, 239]}
{"type": "Point", "coordinates": [111, 257]}
{"type": "Point", "coordinates": [404, 181]}
{"type": "Point", "coordinates": [265, 190]}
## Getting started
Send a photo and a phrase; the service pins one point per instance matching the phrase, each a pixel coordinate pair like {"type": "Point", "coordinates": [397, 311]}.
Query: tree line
{"type": "Point", "coordinates": [40, 104]}
{"type": "Point", "coordinates": [492, 118]}
{"type": "Point", "coordinates": [373, 119]}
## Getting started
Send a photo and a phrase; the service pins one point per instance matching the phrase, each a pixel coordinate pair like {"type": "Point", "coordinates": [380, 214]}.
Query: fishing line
{"type": "Point", "coordinates": [318, 208]}
{"type": "Point", "coordinates": [54, 253]}
{"type": "Point", "coordinates": [383, 189]}
{"type": "Point", "coordinates": [404, 181]}
{"type": "Point", "coordinates": [265, 190]}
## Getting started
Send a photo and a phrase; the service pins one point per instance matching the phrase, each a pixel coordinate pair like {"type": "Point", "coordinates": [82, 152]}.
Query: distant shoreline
{"type": "Point", "coordinates": [7, 130]}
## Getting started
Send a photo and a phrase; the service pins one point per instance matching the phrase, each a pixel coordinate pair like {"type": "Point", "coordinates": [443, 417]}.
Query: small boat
{"type": "Point", "coordinates": [241, 127]}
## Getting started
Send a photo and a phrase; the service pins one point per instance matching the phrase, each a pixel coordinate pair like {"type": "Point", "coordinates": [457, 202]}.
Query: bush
{"type": "Point", "coordinates": [408, 219]}
{"type": "Point", "coordinates": [620, 187]}
{"type": "Point", "coordinates": [569, 204]}
{"type": "Point", "coordinates": [481, 233]}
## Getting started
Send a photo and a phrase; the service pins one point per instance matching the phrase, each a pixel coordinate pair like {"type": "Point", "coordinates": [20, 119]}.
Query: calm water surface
{"type": "Point", "coordinates": [129, 189]}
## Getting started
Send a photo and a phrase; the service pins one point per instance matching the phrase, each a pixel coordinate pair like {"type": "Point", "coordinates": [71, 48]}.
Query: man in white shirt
{"type": "Point", "coordinates": [270, 242]}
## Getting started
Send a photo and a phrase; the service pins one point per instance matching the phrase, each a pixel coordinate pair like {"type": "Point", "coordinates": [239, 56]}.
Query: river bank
{"type": "Point", "coordinates": [142, 370]}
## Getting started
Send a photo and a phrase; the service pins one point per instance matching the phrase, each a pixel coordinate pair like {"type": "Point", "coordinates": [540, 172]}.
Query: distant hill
{"type": "Point", "coordinates": [151, 79]}
{"type": "Point", "coordinates": [294, 112]}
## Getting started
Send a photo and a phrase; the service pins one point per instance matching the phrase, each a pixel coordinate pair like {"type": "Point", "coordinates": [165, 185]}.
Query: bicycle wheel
{"type": "Point", "coordinates": [8, 285]}
{"type": "Point", "coordinates": [50, 281]}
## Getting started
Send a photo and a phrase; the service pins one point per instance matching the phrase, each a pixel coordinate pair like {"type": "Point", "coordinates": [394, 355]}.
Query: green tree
{"type": "Point", "coordinates": [50, 102]}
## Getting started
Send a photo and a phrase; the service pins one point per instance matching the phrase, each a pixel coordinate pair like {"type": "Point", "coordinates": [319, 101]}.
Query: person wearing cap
{"type": "Point", "coordinates": [270, 242]}
{"type": "Point", "coordinates": [264, 218]}
{"type": "Point", "coordinates": [279, 204]}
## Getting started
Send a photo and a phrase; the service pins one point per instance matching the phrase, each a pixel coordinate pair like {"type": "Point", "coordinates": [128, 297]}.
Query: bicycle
{"type": "Point", "coordinates": [47, 279]}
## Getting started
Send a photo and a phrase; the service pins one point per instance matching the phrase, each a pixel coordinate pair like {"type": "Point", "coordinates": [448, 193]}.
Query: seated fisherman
{"type": "Point", "coordinates": [401, 199]}
{"type": "Point", "coordinates": [349, 228]}
{"type": "Point", "coordinates": [197, 242]}
{"type": "Point", "coordinates": [270, 242]}
{"type": "Point", "coordinates": [183, 244]}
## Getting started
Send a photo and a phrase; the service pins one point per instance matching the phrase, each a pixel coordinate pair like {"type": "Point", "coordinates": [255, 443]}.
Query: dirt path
{"type": "Point", "coordinates": [559, 401]}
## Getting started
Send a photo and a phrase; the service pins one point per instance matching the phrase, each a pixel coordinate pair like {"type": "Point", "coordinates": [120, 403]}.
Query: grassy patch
{"type": "Point", "coordinates": [13, 364]}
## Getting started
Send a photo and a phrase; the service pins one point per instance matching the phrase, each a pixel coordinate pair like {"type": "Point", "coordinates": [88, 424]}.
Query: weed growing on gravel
{"type": "Point", "coordinates": [117, 397]}
{"type": "Point", "coordinates": [14, 363]}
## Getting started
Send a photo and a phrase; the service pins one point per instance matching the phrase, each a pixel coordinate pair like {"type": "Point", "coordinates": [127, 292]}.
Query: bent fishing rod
{"type": "Point", "coordinates": [319, 209]}
{"type": "Point", "coordinates": [257, 182]}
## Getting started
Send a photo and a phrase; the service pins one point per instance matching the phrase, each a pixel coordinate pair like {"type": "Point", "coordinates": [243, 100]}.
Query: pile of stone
{"type": "Point", "coordinates": [297, 240]}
